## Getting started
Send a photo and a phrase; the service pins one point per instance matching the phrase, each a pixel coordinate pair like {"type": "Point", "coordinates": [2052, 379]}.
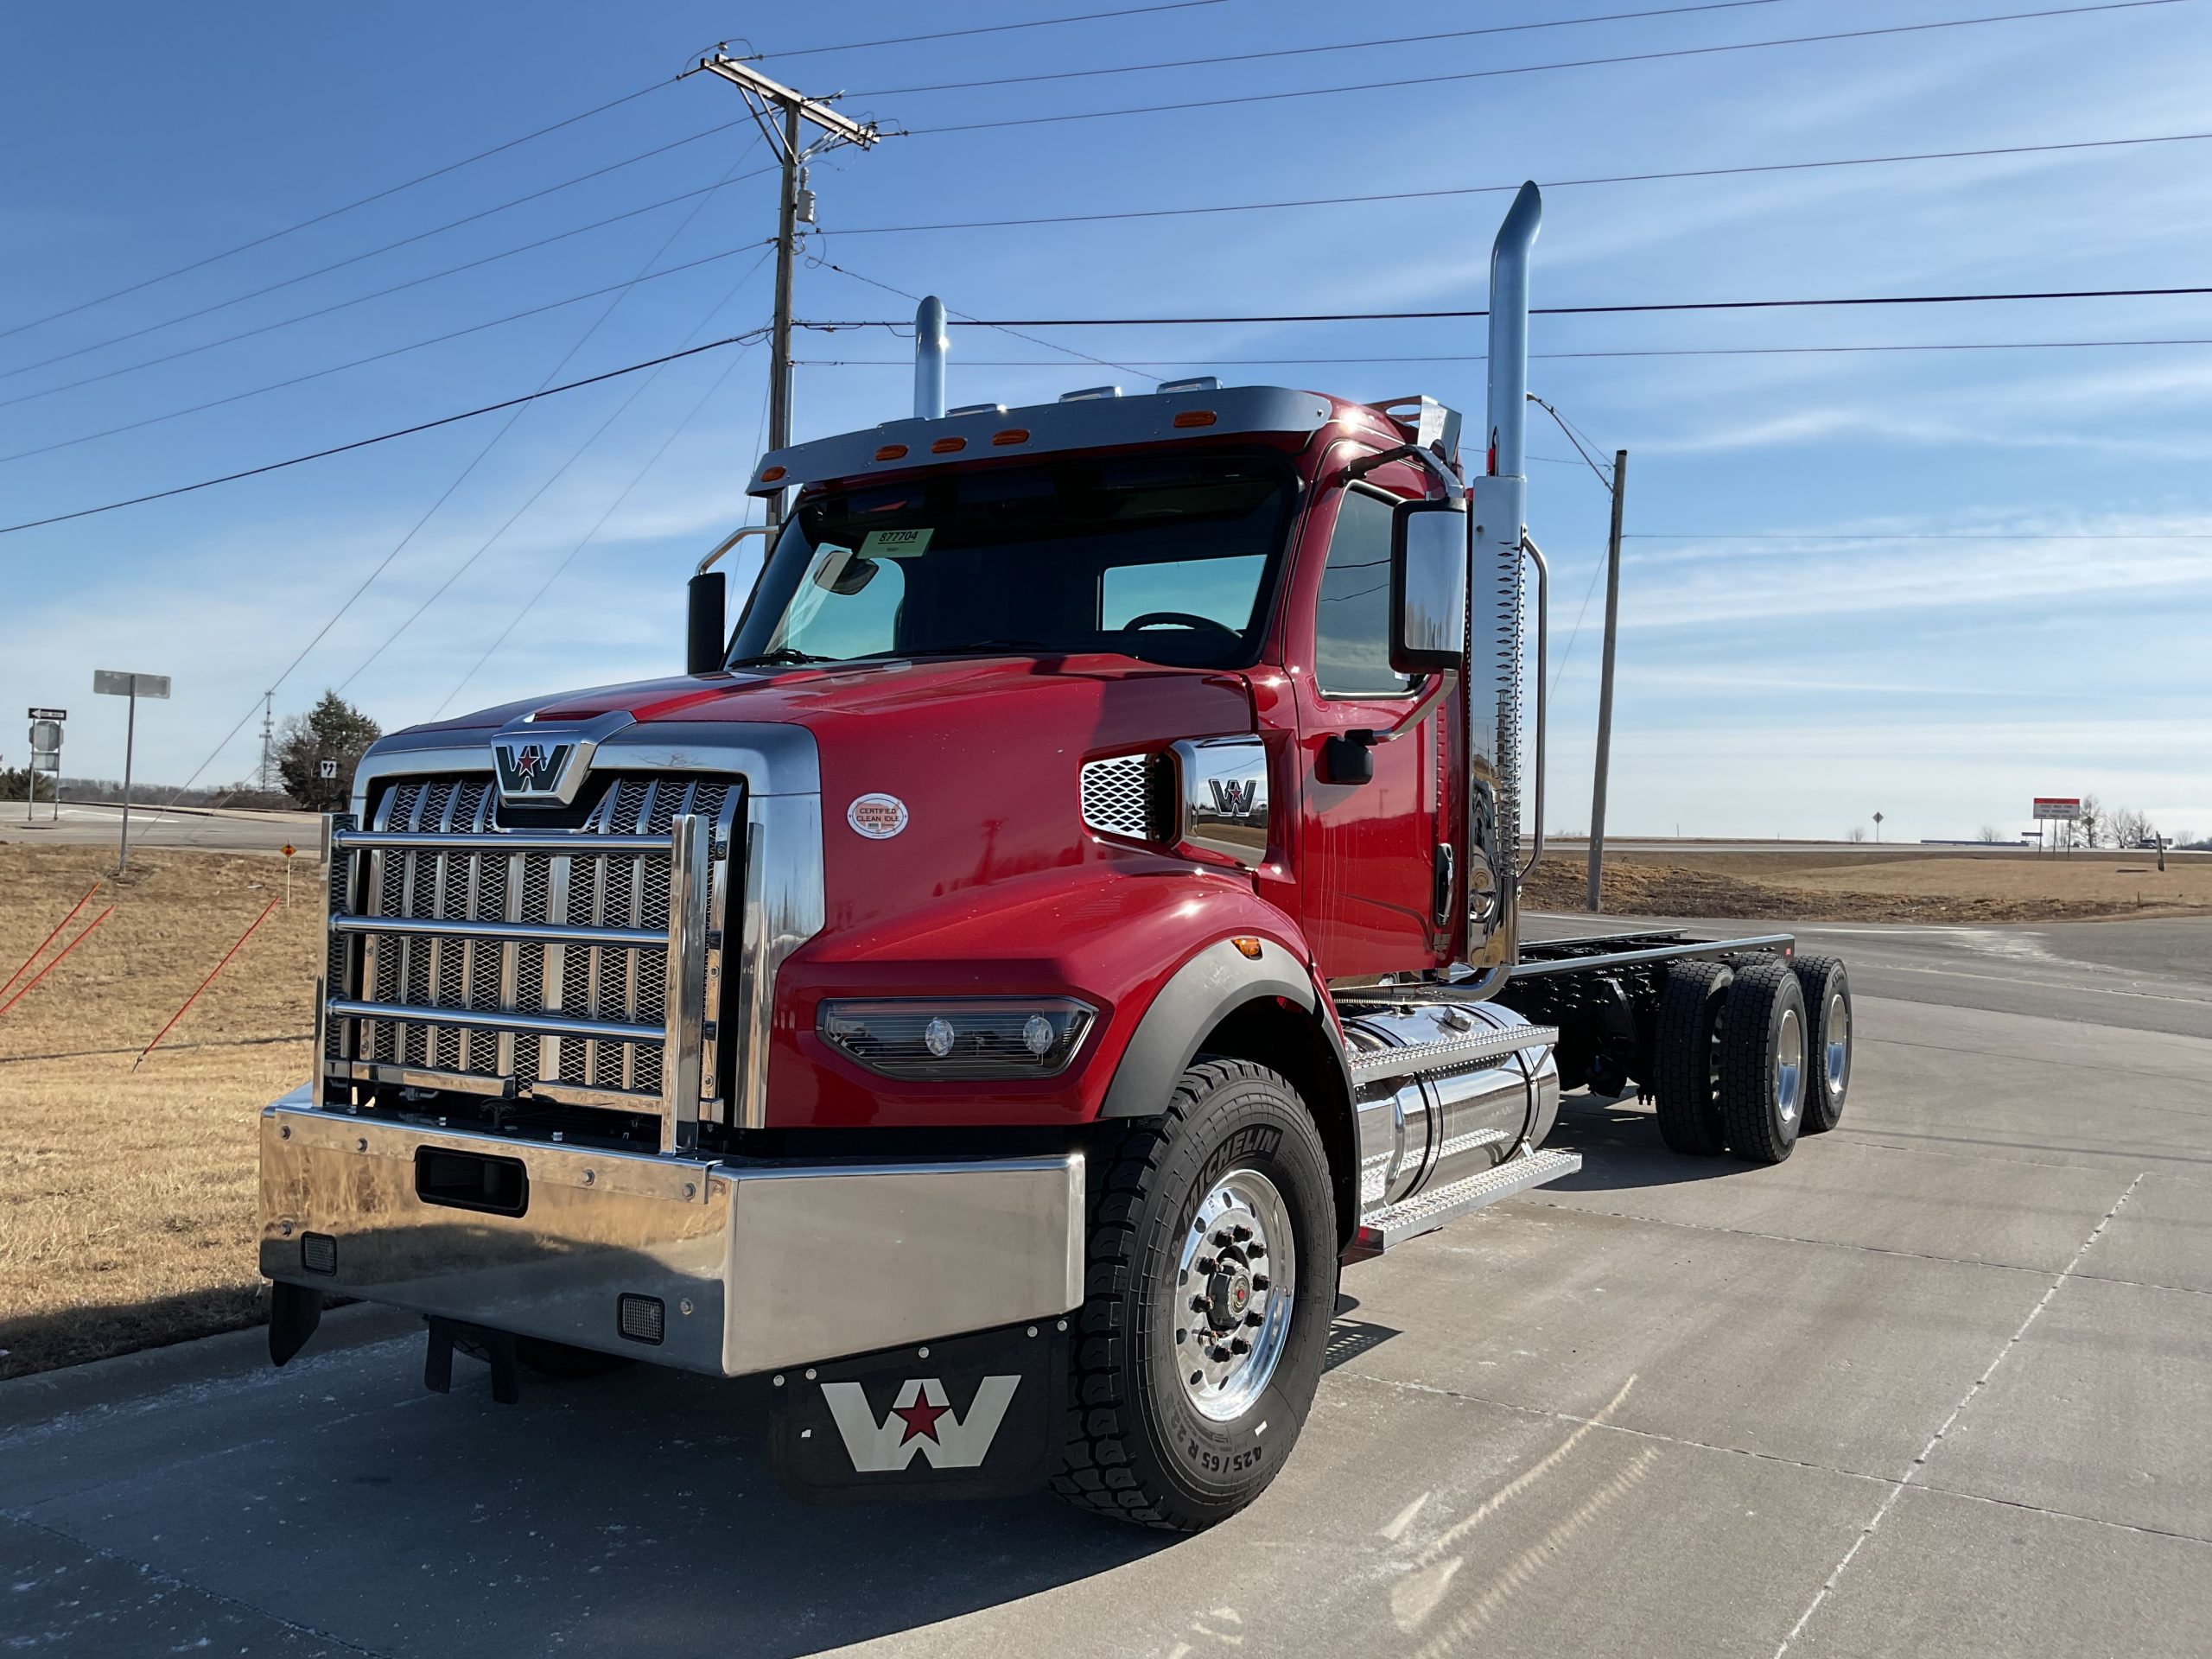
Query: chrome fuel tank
{"type": "Point", "coordinates": [1428, 1125]}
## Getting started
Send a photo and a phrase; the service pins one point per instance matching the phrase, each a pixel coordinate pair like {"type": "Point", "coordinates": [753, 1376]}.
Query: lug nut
{"type": "Point", "coordinates": [1198, 1303]}
{"type": "Point", "coordinates": [1204, 1264]}
{"type": "Point", "coordinates": [1218, 1355]}
{"type": "Point", "coordinates": [1238, 1345]}
{"type": "Point", "coordinates": [1242, 1233]}
{"type": "Point", "coordinates": [1260, 1282]}
{"type": "Point", "coordinates": [1253, 1320]}
{"type": "Point", "coordinates": [1222, 1238]}
{"type": "Point", "coordinates": [1256, 1250]}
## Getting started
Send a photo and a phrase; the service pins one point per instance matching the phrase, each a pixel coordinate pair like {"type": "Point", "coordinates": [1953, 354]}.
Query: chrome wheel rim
{"type": "Point", "coordinates": [1236, 1281]}
{"type": "Point", "coordinates": [1839, 1050]}
{"type": "Point", "coordinates": [1789, 1068]}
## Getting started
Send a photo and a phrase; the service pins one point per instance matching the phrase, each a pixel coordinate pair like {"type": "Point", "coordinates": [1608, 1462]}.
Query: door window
{"type": "Point", "coordinates": [1351, 620]}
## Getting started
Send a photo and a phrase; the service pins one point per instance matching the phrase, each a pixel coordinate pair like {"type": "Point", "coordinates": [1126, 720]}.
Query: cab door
{"type": "Point", "coordinates": [1369, 876]}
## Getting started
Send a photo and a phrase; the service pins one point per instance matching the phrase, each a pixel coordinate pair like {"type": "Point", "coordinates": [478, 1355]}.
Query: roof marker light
{"type": "Point", "coordinates": [1195, 417]}
{"type": "Point", "coordinates": [771, 475]}
{"type": "Point", "coordinates": [948, 446]}
{"type": "Point", "coordinates": [1012, 434]}
{"type": "Point", "coordinates": [891, 452]}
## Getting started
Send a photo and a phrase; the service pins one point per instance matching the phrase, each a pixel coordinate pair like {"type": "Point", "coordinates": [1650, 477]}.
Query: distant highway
{"type": "Point", "coordinates": [86, 824]}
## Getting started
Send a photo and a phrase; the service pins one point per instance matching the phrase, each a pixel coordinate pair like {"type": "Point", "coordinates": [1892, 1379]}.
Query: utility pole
{"type": "Point", "coordinates": [780, 112]}
{"type": "Point", "coordinates": [267, 731]}
{"type": "Point", "coordinates": [1605, 680]}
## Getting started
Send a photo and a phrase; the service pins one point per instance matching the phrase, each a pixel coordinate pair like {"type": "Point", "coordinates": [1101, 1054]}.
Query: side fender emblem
{"type": "Point", "coordinates": [879, 818]}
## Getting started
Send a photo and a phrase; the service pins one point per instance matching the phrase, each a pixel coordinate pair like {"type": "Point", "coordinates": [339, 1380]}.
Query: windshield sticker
{"type": "Point", "coordinates": [895, 543]}
{"type": "Point", "coordinates": [877, 817]}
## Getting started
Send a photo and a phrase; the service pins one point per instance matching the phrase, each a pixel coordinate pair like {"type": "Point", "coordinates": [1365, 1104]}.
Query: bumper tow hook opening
{"type": "Point", "coordinates": [471, 1180]}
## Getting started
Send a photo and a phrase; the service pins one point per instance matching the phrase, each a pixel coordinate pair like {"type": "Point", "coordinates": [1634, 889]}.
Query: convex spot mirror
{"type": "Point", "coordinates": [1429, 585]}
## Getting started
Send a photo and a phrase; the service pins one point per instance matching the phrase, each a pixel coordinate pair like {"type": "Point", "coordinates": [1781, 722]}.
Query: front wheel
{"type": "Point", "coordinates": [1210, 1283]}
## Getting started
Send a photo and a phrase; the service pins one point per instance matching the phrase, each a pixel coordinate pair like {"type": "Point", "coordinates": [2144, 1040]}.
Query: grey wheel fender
{"type": "Point", "coordinates": [1198, 996]}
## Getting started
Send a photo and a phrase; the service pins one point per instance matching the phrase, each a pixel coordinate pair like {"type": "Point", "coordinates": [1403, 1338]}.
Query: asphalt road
{"type": "Point", "coordinates": [1940, 1385]}
{"type": "Point", "coordinates": [215, 831]}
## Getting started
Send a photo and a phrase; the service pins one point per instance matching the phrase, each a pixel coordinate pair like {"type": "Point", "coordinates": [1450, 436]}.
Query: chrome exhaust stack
{"type": "Point", "coordinates": [1499, 510]}
{"type": "Point", "coordinates": [930, 347]}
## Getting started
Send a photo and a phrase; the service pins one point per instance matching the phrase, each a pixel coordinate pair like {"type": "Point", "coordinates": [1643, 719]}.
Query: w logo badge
{"type": "Point", "coordinates": [1233, 796]}
{"type": "Point", "coordinates": [922, 1423]}
{"type": "Point", "coordinates": [530, 768]}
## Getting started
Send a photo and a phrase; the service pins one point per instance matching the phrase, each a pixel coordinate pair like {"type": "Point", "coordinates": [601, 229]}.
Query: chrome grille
{"type": "Point", "coordinates": [617, 988]}
{"type": "Point", "coordinates": [1117, 796]}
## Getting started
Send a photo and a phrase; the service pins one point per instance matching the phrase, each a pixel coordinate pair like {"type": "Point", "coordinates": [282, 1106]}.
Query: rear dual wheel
{"type": "Point", "coordinates": [1749, 1057]}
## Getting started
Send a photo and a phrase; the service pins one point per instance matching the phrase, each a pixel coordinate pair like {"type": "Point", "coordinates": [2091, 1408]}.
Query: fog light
{"type": "Point", "coordinates": [641, 1319]}
{"type": "Point", "coordinates": [318, 1253]}
{"type": "Point", "coordinates": [937, 1037]}
{"type": "Point", "coordinates": [1037, 1035]}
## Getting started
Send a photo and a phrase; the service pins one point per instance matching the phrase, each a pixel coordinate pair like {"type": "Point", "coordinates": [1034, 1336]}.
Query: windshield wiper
{"type": "Point", "coordinates": [973, 646]}
{"type": "Point", "coordinates": [782, 655]}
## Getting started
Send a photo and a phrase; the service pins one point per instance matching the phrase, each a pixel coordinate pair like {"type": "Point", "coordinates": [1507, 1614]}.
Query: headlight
{"type": "Point", "coordinates": [1023, 1037]}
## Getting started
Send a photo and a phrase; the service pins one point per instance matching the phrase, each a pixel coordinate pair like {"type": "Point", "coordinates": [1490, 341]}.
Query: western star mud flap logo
{"type": "Point", "coordinates": [921, 1424]}
{"type": "Point", "coordinates": [974, 1416]}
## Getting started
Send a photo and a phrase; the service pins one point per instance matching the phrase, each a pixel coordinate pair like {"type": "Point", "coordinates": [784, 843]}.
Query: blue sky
{"type": "Point", "coordinates": [1767, 686]}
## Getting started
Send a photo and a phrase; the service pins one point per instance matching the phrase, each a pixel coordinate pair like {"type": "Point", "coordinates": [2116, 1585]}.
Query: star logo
{"type": "Point", "coordinates": [920, 1418]}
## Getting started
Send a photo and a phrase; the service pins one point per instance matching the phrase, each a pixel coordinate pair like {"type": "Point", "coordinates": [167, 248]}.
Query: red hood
{"type": "Point", "coordinates": [983, 752]}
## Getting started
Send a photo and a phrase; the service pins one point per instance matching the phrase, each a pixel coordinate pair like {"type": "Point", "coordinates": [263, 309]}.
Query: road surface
{"type": "Point", "coordinates": [1940, 1385]}
{"type": "Point", "coordinates": [215, 831]}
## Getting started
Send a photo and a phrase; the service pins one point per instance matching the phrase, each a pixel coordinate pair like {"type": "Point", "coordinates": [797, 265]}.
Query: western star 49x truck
{"type": "Point", "coordinates": [992, 993]}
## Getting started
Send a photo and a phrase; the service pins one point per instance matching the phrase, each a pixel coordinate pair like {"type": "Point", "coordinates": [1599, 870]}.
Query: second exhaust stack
{"type": "Point", "coordinates": [931, 345]}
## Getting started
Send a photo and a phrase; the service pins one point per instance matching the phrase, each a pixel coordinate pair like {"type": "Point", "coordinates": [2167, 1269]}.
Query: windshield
{"type": "Point", "coordinates": [1170, 558]}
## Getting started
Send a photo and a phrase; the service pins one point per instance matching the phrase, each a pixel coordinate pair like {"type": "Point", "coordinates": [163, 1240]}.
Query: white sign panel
{"type": "Point", "coordinates": [2059, 809]}
{"type": "Point", "coordinates": [113, 683]}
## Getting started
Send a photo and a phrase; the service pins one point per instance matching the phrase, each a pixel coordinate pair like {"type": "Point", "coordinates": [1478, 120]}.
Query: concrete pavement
{"type": "Point", "coordinates": [1940, 1385]}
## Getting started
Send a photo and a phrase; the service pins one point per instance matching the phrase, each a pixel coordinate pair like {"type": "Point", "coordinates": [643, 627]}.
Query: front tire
{"type": "Point", "coordinates": [1196, 1363]}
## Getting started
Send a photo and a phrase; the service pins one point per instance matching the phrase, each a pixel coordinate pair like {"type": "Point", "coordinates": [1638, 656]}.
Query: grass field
{"type": "Point", "coordinates": [127, 1197]}
{"type": "Point", "coordinates": [1910, 885]}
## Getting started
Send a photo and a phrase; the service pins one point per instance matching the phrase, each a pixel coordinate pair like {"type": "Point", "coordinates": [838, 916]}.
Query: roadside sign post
{"type": "Point", "coordinates": [46, 756]}
{"type": "Point", "coordinates": [1877, 826]}
{"type": "Point", "coordinates": [289, 850]}
{"type": "Point", "coordinates": [110, 683]}
{"type": "Point", "coordinates": [2056, 809]}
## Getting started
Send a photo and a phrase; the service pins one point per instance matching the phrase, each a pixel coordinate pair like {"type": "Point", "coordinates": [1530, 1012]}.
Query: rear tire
{"type": "Point", "coordinates": [1686, 1073]}
{"type": "Point", "coordinates": [1828, 1048]}
{"type": "Point", "coordinates": [1167, 1426]}
{"type": "Point", "coordinates": [1764, 1074]}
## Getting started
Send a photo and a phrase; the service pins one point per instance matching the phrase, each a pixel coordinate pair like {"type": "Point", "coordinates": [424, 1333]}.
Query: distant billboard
{"type": "Point", "coordinates": [2059, 809]}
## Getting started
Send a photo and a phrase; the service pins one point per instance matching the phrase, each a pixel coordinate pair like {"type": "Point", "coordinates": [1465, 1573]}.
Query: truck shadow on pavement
{"type": "Point", "coordinates": [1621, 1149]}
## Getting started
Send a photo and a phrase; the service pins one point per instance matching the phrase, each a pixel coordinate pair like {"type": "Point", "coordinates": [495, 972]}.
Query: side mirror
{"type": "Point", "coordinates": [706, 632]}
{"type": "Point", "coordinates": [1429, 585]}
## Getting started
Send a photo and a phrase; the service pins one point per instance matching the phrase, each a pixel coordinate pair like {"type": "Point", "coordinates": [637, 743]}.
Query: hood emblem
{"type": "Point", "coordinates": [530, 770]}
{"type": "Point", "coordinates": [879, 818]}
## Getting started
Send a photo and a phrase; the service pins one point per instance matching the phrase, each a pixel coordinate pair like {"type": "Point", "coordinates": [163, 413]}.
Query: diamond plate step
{"type": "Point", "coordinates": [1387, 1229]}
{"type": "Point", "coordinates": [1372, 1065]}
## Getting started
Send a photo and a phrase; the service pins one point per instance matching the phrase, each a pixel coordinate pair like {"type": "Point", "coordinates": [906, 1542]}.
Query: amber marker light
{"type": "Point", "coordinates": [948, 446]}
{"type": "Point", "coordinates": [1195, 417]}
{"type": "Point", "coordinates": [891, 452]}
{"type": "Point", "coordinates": [1012, 434]}
{"type": "Point", "coordinates": [771, 475]}
{"type": "Point", "coordinates": [1249, 947]}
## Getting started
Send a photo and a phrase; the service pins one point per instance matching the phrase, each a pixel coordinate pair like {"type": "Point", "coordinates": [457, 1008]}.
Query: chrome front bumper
{"type": "Point", "coordinates": [756, 1268]}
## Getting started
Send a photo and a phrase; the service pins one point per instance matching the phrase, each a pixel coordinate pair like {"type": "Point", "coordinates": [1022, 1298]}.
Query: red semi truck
{"type": "Point", "coordinates": [993, 993]}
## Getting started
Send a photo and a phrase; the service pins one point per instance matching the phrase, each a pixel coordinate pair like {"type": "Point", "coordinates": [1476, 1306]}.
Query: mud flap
{"type": "Point", "coordinates": [495, 1348]}
{"type": "Point", "coordinates": [974, 1416]}
{"type": "Point", "coordinates": [294, 1312]}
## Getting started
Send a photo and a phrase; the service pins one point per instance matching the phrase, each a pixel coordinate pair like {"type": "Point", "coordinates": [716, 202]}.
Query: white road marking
{"type": "Point", "coordinates": [1404, 1518]}
{"type": "Point", "coordinates": [1935, 1439]}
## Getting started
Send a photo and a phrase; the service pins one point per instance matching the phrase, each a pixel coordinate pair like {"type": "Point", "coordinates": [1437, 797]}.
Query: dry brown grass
{"type": "Point", "coordinates": [1906, 885]}
{"type": "Point", "coordinates": [127, 1198]}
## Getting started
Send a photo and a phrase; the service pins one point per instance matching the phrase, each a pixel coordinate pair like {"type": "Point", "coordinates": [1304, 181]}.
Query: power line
{"type": "Point", "coordinates": [1537, 68]}
{"type": "Point", "coordinates": [1676, 351]}
{"type": "Point", "coordinates": [381, 438]}
{"type": "Point", "coordinates": [468, 219]}
{"type": "Point", "coordinates": [378, 357]}
{"type": "Point", "coordinates": [1915, 536]}
{"type": "Point", "coordinates": [987, 29]}
{"type": "Point", "coordinates": [332, 212]}
{"type": "Point", "coordinates": [1540, 310]}
{"type": "Point", "coordinates": [1548, 184]}
{"type": "Point", "coordinates": [1049, 346]}
{"type": "Point", "coordinates": [1310, 51]}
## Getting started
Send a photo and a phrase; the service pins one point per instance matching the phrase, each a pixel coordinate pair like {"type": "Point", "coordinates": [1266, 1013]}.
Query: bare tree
{"type": "Point", "coordinates": [1857, 832]}
{"type": "Point", "coordinates": [1990, 832]}
{"type": "Point", "coordinates": [2091, 827]}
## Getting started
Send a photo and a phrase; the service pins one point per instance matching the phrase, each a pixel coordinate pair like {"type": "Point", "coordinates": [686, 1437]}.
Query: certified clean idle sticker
{"type": "Point", "coordinates": [877, 817]}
